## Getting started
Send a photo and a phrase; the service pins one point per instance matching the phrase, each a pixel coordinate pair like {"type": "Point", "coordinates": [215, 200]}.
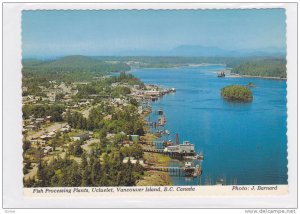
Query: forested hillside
{"type": "Point", "coordinates": [264, 68]}
{"type": "Point", "coordinates": [75, 68]}
{"type": "Point", "coordinates": [70, 68]}
{"type": "Point", "coordinates": [253, 66]}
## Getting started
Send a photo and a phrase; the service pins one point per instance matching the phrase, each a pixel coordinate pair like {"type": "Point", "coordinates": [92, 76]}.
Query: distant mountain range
{"type": "Point", "coordinates": [188, 51]}
{"type": "Point", "coordinates": [203, 51]}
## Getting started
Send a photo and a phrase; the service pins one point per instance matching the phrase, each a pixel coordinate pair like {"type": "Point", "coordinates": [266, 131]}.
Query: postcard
{"type": "Point", "coordinates": [151, 101]}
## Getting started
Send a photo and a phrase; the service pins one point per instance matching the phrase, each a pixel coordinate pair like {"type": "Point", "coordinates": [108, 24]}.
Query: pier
{"type": "Point", "coordinates": [179, 171]}
{"type": "Point", "coordinates": [176, 155]}
{"type": "Point", "coordinates": [184, 152]}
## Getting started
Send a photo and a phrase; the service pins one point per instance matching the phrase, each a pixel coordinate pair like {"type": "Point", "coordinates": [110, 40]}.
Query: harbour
{"type": "Point", "coordinates": [232, 153]}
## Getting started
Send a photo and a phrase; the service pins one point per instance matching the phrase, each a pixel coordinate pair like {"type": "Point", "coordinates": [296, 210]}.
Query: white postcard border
{"type": "Point", "coordinates": [13, 192]}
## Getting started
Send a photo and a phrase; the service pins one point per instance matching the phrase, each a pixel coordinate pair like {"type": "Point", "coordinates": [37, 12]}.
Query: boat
{"type": "Point", "coordinates": [162, 121]}
{"type": "Point", "coordinates": [168, 143]}
{"type": "Point", "coordinates": [222, 74]}
{"type": "Point", "coordinates": [160, 112]}
{"type": "Point", "coordinates": [220, 182]}
{"type": "Point", "coordinates": [166, 132]}
{"type": "Point", "coordinates": [197, 171]}
{"type": "Point", "coordinates": [199, 156]}
{"type": "Point", "coordinates": [196, 157]}
{"type": "Point", "coordinates": [188, 165]}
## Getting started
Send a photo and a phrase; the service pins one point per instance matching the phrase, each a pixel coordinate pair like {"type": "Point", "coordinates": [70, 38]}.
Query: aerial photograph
{"type": "Point", "coordinates": [114, 98]}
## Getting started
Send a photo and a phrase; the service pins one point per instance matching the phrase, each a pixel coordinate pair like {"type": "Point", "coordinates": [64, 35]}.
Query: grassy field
{"type": "Point", "coordinates": [155, 178]}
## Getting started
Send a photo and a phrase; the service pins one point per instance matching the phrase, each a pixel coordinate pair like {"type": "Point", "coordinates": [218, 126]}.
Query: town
{"type": "Point", "coordinates": [94, 133]}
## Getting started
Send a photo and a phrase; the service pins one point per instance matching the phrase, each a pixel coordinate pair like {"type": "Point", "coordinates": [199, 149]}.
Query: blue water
{"type": "Point", "coordinates": [241, 143]}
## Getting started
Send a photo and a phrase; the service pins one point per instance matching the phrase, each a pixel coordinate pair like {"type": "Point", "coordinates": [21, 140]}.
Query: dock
{"type": "Point", "coordinates": [179, 171]}
{"type": "Point", "coordinates": [162, 121]}
{"type": "Point", "coordinates": [176, 155]}
{"type": "Point", "coordinates": [182, 152]}
{"type": "Point", "coordinates": [186, 150]}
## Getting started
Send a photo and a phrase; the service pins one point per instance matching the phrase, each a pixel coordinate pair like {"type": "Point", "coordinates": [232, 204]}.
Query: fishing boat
{"type": "Point", "coordinates": [222, 74]}
{"type": "Point", "coordinates": [160, 112]}
{"type": "Point", "coordinates": [162, 121]}
{"type": "Point", "coordinates": [197, 171]}
{"type": "Point", "coordinates": [220, 182]}
{"type": "Point", "coordinates": [196, 157]}
{"type": "Point", "coordinates": [166, 132]}
{"type": "Point", "coordinates": [199, 156]}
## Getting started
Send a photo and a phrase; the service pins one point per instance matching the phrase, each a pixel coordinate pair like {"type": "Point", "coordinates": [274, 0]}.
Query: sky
{"type": "Point", "coordinates": [113, 32]}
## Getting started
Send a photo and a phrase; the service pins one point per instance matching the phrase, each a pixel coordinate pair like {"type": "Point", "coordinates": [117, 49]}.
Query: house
{"type": "Point", "coordinates": [39, 120]}
{"type": "Point", "coordinates": [47, 150]}
{"type": "Point", "coordinates": [48, 119]}
{"type": "Point", "coordinates": [51, 134]}
{"type": "Point", "coordinates": [51, 96]}
{"type": "Point", "coordinates": [75, 106]}
{"type": "Point", "coordinates": [36, 143]}
{"type": "Point", "coordinates": [48, 135]}
{"type": "Point", "coordinates": [31, 127]}
{"type": "Point", "coordinates": [44, 137]}
{"type": "Point", "coordinates": [82, 136]}
{"type": "Point", "coordinates": [133, 161]}
{"type": "Point", "coordinates": [65, 129]}
{"type": "Point", "coordinates": [74, 91]}
{"type": "Point", "coordinates": [91, 134]}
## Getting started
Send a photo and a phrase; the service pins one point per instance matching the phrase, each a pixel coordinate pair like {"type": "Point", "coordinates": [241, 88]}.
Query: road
{"type": "Point", "coordinates": [32, 172]}
{"type": "Point", "coordinates": [50, 128]}
{"type": "Point", "coordinates": [86, 112]}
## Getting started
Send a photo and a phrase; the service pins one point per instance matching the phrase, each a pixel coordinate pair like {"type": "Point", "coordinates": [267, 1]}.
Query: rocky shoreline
{"type": "Point", "coordinates": [234, 75]}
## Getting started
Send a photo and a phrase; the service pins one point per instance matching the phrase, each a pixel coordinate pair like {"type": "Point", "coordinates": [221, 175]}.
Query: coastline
{"type": "Point", "coordinates": [231, 75]}
{"type": "Point", "coordinates": [234, 75]}
{"type": "Point", "coordinates": [211, 76]}
{"type": "Point", "coordinates": [152, 177]}
{"type": "Point", "coordinates": [204, 64]}
{"type": "Point", "coordinates": [184, 65]}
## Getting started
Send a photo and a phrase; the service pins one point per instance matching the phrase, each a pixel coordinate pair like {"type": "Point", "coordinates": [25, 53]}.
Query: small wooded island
{"type": "Point", "coordinates": [237, 93]}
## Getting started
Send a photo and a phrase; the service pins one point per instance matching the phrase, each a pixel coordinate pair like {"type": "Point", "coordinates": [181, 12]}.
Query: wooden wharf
{"type": "Point", "coordinates": [179, 171]}
{"type": "Point", "coordinates": [170, 154]}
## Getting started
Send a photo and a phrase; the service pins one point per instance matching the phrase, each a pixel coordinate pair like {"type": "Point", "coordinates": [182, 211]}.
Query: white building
{"type": "Point", "coordinates": [152, 93]}
{"type": "Point", "coordinates": [186, 147]}
{"type": "Point", "coordinates": [133, 160]}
